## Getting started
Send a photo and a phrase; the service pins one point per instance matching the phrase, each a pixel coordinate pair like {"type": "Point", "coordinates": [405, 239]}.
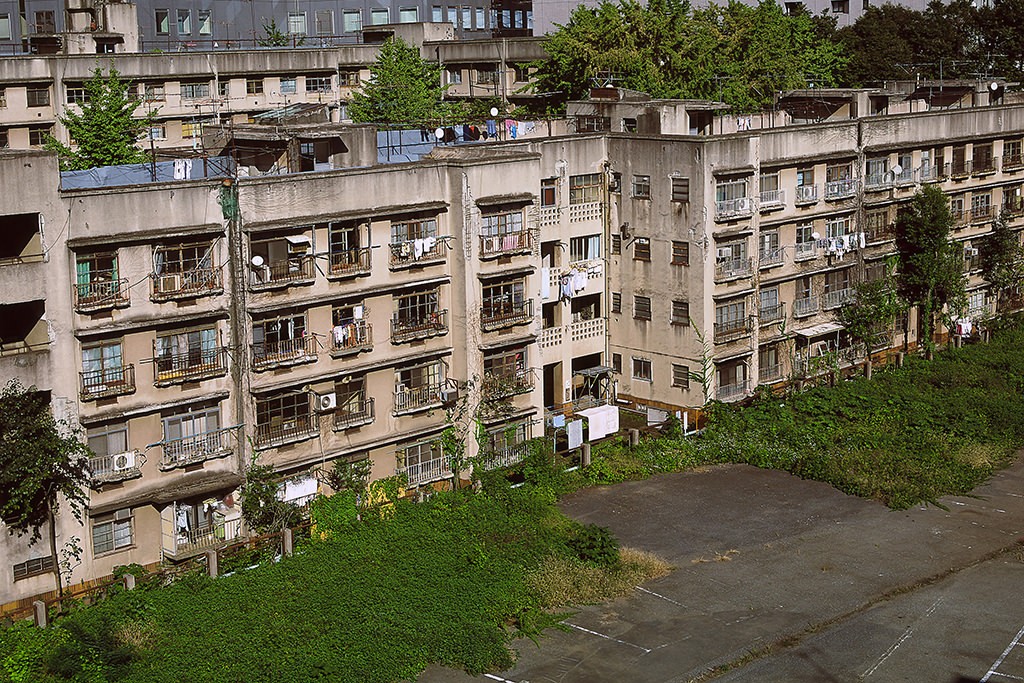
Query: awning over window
{"type": "Point", "coordinates": [818, 330]}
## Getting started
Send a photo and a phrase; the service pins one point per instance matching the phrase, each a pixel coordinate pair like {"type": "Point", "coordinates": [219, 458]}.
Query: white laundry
{"type": "Point", "coordinates": [179, 169]}
{"type": "Point", "coordinates": [574, 430]}
{"type": "Point", "coordinates": [545, 283]}
{"type": "Point", "coordinates": [579, 281]}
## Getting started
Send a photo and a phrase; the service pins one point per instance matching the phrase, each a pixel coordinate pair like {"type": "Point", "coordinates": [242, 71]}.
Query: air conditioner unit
{"type": "Point", "coordinates": [124, 461]}
{"type": "Point", "coordinates": [169, 283]}
{"type": "Point", "coordinates": [326, 402]}
{"type": "Point", "coordinates": [449, 396]}
{"type": "Point", "coordinates": [970, 252]}
{"type": "Point", "coordinates": [743, 204]}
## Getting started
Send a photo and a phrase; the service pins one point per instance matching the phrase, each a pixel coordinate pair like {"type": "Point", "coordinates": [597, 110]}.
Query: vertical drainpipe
{"type": "Point", "coordinates": [607, 258]}
{"type": "Point", "coordinates": [238, 356]}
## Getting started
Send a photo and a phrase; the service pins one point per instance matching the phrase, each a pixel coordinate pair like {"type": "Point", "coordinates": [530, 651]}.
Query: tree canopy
{"type": "Point", "coordinates": [104, 128]}
{"type": "Point", "coordinates": [403, 88]}
{"type": "Point", "coordinates": [1002, 258]}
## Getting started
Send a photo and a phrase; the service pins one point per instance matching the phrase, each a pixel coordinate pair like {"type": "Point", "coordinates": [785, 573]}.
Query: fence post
{"type": "Point", "coordinates": [585, 455]}
{"type": "Point", "coordinates": [286, 542]}
{"type": "Point", "coordinates": [211, 563]}
{"type": "Point", "coordinates": [39, 614]}
{"type": "Point", "coordinates": [129, 581]}
{"type": "Point", "coordinates": [634, 437]}
{"type": "Point", "coordinates": [899, 359]}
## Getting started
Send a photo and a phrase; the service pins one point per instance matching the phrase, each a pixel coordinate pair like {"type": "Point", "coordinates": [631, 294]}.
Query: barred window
{"type": "Point", "coordinates": [616, 302]}
{"type": "Point", "coordinates": [642, 186]}
{"type": "Point", "coordinates": [680, 253]}
{"type": "Point", "coordinates": [642, 249]}
{"type": "Point", "coordinates": [681, 313]}
{"type": "Point", "coordinates": [681, 376]}
{"type": "Point", "coordinates": [642, 307]}
{"type": "Point", "coordinates": [680, 189]}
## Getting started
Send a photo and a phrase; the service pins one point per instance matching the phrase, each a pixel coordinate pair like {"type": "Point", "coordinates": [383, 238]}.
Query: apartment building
{"type": "Point", "coordinates": [301, 315]}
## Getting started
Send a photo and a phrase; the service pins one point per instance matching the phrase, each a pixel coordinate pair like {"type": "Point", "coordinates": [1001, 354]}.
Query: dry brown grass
{"type": "Point", "coordinates": [137, 633]}
{"type": "Point", "coordinates": [560, 582]}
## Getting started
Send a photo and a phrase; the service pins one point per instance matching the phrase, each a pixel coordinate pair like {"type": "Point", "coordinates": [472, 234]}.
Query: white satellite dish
{"type": "Point", "coordinates": [494, 111]}
{"type": "Point", "coordinates": [897, 170]}
{"type": "Point", "coordinates": [816, 235]}
{"type": "Point", "coordinates": [439, 134]}
{"type": "Point", "coordinates": [993, 86]}
{"type": "Point", "coordinates": [257, 260]}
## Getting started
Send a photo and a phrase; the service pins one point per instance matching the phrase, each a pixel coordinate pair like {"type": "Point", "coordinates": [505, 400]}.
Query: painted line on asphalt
{"type": "Point", "coordinates": [602, 635]}
{"type": "Point", "coordinates": [659, 595]}
{"type": "Point", "coordinates": [1013, 643]}
{"type": "Point", "coordinates": [899, 641]}
{"type": "Point", "coordinates": [498, 678]}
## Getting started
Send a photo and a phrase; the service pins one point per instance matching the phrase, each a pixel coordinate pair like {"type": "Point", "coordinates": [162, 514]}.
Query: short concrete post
{"type": "Point", "coordinates": [899, 359]}
{"type": "Point", "coordinates": [211, 563]}
{"type": "Point", "coordinates": [867, 370]}
{"type": "Point", "coordinates": [39, 615]}
{"type": "Point", "coordinates": [287, 547]}
{"type": "Point", "coordinates": [634, 437]}
{"type": "Point", "coordinates": [686, 421]}
{"type": "Point", "coordinates": [129, 581]}
{"type": "Point", "coordinates": [585, 455]}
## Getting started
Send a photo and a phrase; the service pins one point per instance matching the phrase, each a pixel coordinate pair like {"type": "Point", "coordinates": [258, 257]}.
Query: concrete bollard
{"type": "Point", "coordinates": [287, 547]}
{"type": "Point", "coordinates": [634, 437]}
{"type": "Point", "coordinates": [39, 615]}
{"type": "Point", "coordinates": [211, 563]}
{"type": "Point", "coordinates": [899, 359]}
{"type": "Point", "coordinates": [129, 581]}
{"type": "Point", "coordinates": [585, 455]}
{"type": "Point", "coordinates": [867, 370]}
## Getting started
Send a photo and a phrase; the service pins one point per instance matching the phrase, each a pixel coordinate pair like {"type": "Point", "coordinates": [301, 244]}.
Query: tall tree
{"type": "Point", "coordinates": [872, 309]}
{"type": "Point", "coordinates": [404, 88]}
{"type": "Point", "coordinates": [930, 264]}
{"type": "Point", "coordinates": [104, 128]}
{"type": "Point", "coordinates": [1002, 258]}
{"type": "Point", "coordinates": [42, 464]}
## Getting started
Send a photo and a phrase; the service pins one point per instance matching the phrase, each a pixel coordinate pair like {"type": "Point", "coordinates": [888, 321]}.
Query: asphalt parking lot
{"type": "Point", "coordinates": [820, 585]}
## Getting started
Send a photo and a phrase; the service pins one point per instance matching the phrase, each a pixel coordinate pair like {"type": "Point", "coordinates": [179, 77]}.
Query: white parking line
{"type": "Point", "coordinates": [1013, 643]}
{"type": "Point", "coordinates": [659, 595]}
{"type": "Point", "coordinates": [498, 678]}
{"type": "Point", "coordinates": [602, 635]}
{"type": "Point", "coordinates": [899, 641]}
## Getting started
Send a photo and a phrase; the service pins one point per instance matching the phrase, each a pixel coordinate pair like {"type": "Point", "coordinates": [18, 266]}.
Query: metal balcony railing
{"type": "Point", "coordinates": [285, 352]}
{"type": "Point", "coordinates": [904, 177]}
{"type": "Point", "coordinates": [505, 457]}
{"type": "Point", "coordinates": [349, 263]}
{"type": "Point", "coordinates": [928, 174]}
{"type": "Point", "coordinates": [354, 414]}
{"type": "Point", "coordinates": [982, 212]}
{"type": "Point", "coordinates": [409, 329]}
{"type": "Point", "coordinates": [983, 165]}
{"type": "Point", "coordinates": [878, 181]}
{"type": "Point", "coordinates": [428, 470]}
{"type": "Point", "coordinates": [769, 373]}
{"type": "Point", "coordinates": [293, 428]}
{"type": "Point", "coordinates": [351, 337]}
{"type": "Point", "coordinates": [1013, 162]}
{"type": "Point", "coordinates": [957, 169]}
{"type": "Point", "coordinates": [108, 382]}
{"type": "Point", "coordinates": [100, 295]}
{"type": "Point", "coordinates": [418, 252]}
{"type": "Point", "coordinates": [805, 250]}
{"type": "Point", "coordinates": [768, 315]}
{"type": "Point", "coordinates": [504, 384]}
{"type": "Point", "coordinates": [837, 298]}
{"type": "Point", "coordinates": [492, 246]}
{"type": "Point", "coordinates": [772, 199]}
{"type": "Point", "coordinates": [731, 329]}
{"type": "Point", "coordinates": [116, 467]}
{"type": "Point", "coordinates": [733, 208]}
{"type": "Point", "coordinates": [193, 541]}
{"type": "Point", "coordinates": [189, 285]}
{"type": "Point", "coordinates": [806, 194]}
{"type": "Point", "coordinates": [732, 392]}
{"type": "Point", "coordinates": [497, 314]}
{"type": "Point", "coordinates": [191, 366]}
{"type": "Point", "coordinates": [770, 257]}
{"type": "Point", "coordinates": [197, 448]}
{"type": "Point", "coordinates": [733, 268]}
{"type": "Point", "coordinates": [282, 273]}
{"type": "Point", "coordinates": [805, 306]}
{"type": "Point", "coordinates": [840, 189]}
{"type": "Point", "coordinates": [409, 399]}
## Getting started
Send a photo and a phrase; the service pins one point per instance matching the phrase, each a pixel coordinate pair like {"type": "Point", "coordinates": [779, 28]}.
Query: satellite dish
{"type": "Point", "coordinates": [816, 235]}
{"type": "Point", "coordinates": [439, 134]}
{"type": "Point", "coordinates": [494, 111]}
{"type": "Point", "coordinates": [897, 170]}
{"type": "Point", "coordinates": [993, 86]}
{"type": "Point", "coordinates": [257, 260]}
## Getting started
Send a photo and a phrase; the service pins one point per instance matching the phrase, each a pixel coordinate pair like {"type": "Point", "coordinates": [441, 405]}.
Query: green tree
{"type": "Point", "coordinates": [262, 510]}
{"type": "Point", "coordinates": [403, 88]}
{"type": "Point", "coordinates": [43, 464]}
{"type": "Point", "coordinates": [275, 37]}
{"type": "Point", "coordinates": [872, 309]}
{"type": "Point", "coordinates": [930, 264]}
{"type": "Point", "coordinates": [1002, 258]}
{"type": "Point", "coordinates": [104, 129]}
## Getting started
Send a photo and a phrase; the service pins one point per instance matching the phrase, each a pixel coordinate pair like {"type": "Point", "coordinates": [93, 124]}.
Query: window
{"type": "Point", "coordinates": [179, 352]}
{"type": "Point", "coordinates": [418, 386]}
{"type": "Point", "coordinates": [642, 249]}
{"type": "Point", "coordinates": [3, 98]}
{"type": "Point", "coordinates": [467, 17]}
{"type": "Point", "coordinates": [548, 191]}
{"type": "Point", "coordinates": [586, 248]}
{"type": "Point", "coordinates": [38, 95]}
{"type": "Point", "coordinates": [195, 91]}
{"type": "Point", "coordinates": [162, 17]}
{"type": "Point", "coordinates": [840, 6]}
{"type": "Point", "coordinates": [324, 22]}
{"type": "Point", "coordinates": [642, 369]}
{"type": "Point", "coordinates": [46, 22]}
{"type": "Point", "coordinates": [617, 363]}
{"type": "Point", "coordinates": [584, 189]}
{"type": "Point", "coordinates": [680, 189]}
{"type": "Point", "coordinates": [616, 243]}
{"type": "Point", "coordinates": [642, 307]}
{"type": "Point", "coordinates": [5, 26]}
{"type": "Point", "coordinates": [454, 75]}
{"type": "Point", "coordinates": [33, 567]}
{"type": "Point", "coordinates": [876, 171]}
{"type": "Point", "coordinates": [593, 124]}
{"type": "Point", "coordinates": [37, 135]}
{"type": "Point", "coordinates": [284, 416]}
{"type": "Point", "coordinates": [348, 79]}
{"type": "Point", "coordinates": [253, 86]}
{"type": "Point", "coordinates": [274, 337]}
{"type": "Point", "coordinates": [102, 366]}
{"type": "Point", "coordinates": [680, 253]}
{"type": "Point", "coordinates": [205, 18]}
{"type": "Point", "coordinates": [769, 183]}
{"type": "Point", "coordinates": [288, 85]}
{"type": "Point", "coordinates": [436, 14]}
{"type": "Point", "coordinates": [4, 140]}
{"type": "Point", "coordinates": [629, 125]}
{"type": "Point", "coordinates": [111, 439]}
{"type": "Point", "coordinates": [75, 94]}
{"type": "Point", "coordinates": [480, 18]}
{"type": "Point", "coordinates": [184, 22]}
{"type": "Point", "coordinates": [681, 313]}
{"type": "Point", "coordinates": [413, 310]}
{"type": "Point", "coordinates": [223, 88]}
{"type": "Point", "coordinates": [837, 227]}
{"type": "Point", "coordinates": [982, 158]}
{"type": "Point", "coordinates": [351, 21]}
{"type": "Point", "coordinates": [297, 23]}
{"type": "Point", "coordinates": [642, 186]}
{"type": "Point", "coordinates": [453, 16]}
{"type": "Point", "coordinates": [424, 462]}
{"type": "Point", "coordinates": [804, 177]}
{"type": "Point", "coordinates": [616, 302]}
{"type": "Point", "coordinates": [153, 92]}
{"type": "Point", "coordinates": [681, 376]}
{"type": "Point", "coordinates": [379, 16]}
{"type": "Point", "coordinates": [112, 533]}
{"type": "Point", "coordinates": [318, 84]}
{"type": "Point", "coordinates": [407, 231]}
{"type": "Point", "coordinates": [501, 224]}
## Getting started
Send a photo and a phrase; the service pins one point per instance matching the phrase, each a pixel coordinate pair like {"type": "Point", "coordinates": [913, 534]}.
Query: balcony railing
{"type": "Point", "coordinates": [733, 208]}
{"type": "Point", "coordinates": [117, 467]}
{"type": "Point", "coordinates": [294, 428]}
{"type": "Point", "coordinates": [840, 189]}
{"type": "Point", "coordinates": [983, 165]}
{"type": "Point", "coordinates": [732, 392]}
{"type": "Point", "coordinates": [505, 384]}
{"type": "Point", "coordinates": [587, 329]}
{"type": "Point", "coordinates": [1013, 162]}
{"type": "Point", "coordinates": [418, 252]}
{"type": "Point", "coordinates": [806, 306]}
{"type": "Point", "coordinates": [282, 273]}
{"type": "Point", "coordinates": [210, 535]}
{"type": "Point", "coordinates": [549, 336]}
{"type": "Point", "coordinates": [1013, 206]}
{"type": "Point", "coordinates": [929, 174]}
{"type": "Point", "coordinates": [769, 373]}
{"type": "Point", "coordinates": [772, 199]}
{"type": "Point", "coordinates": [409, 400]}
{"type": "Point", "coordinates": [349, 263]}
{"type": "Point", "coordinates": [837, 298]}
{"type": "Point", "coordinates": [354, 414]}
{"type": "Point", "coordinates": [982, 212]}
{"type": "Point", "coordinates": [192, 366]}
{"type": "Point", "coordinates": [107, 382]}
{"type": "Point", "coordinates": [100, 295]}
{"type": "Point", "coordinates": [805, 251]}
{"type": "Point", "coordinates": [957, 169]}
{"type": "Point", "coordinates": [286, 352]}
{"type": "Point", "coordinates": [961, 218]}
{"type": "Point", "coordinates": [731, 329]}
{"type": "Point", "coordinates": [409, 329]}
{"type": "Point", "coordinates": [806, 194]}
{"type": "Point", "coordinates": [351, 338]}
{"type": "Point", "coordinates": [878, 181]}
{"type": "Point", "coordinates": [492, 246]}
{"type": "Point", "coordinates": [733, 268]}
{"type": "Point", "coordinates": [190, 285]}
{"type": "Point", "coordinates": [768, 315]}
{"type": "Point", "coordinates": [189, 450]}
{"type": "Point", "coordinates": [427, 471]}
{"type": "Point", "coordinates": [499, 314]}
{"type": "Point", "coordinates": [770, 257]}
{"type": "Point", "coordinates": [505, 457]}
{"type": "Point", "coordinates": [904, 177]}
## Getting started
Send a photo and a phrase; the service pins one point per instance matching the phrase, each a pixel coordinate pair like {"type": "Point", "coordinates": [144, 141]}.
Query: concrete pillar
{"type": "Point", "coordinates": [287, 547]}
{"type": "Point", "coordinates": [585, 455]}
{"type": "Point", "coordinates": [211, 563]}
{"type": "Point", "coordinates": [129, 581]}
{"type": "Point", "coordinates": [867, 370]}
{"type": "Point", "coordinates": [899, 359]}
{"type": "Point", "coordinates": [634, 437]}
{"type": "Point", "coordinates": [39, 614]}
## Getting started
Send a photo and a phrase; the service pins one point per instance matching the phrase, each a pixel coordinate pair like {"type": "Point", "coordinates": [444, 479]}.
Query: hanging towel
{"type": "Point", "coordinates": [417, 248]}
{"type": "Point", "coordinates": [579, 281]}
{"type": "Point", "coordinates": [545, 283]}
{"type": "Point", "coordinates": [428, 244]}
{"type": "Point", "coordinates": [861, 235]}
{"type": "Point", "coordinates": [566, 284]}
{"type": "Point", "coordinates": [188, 169]}
{"type": "Point", "coordinates": [574, 430]}
{"type": "Point", "coordinates": [492, 128]}
{"type": "Point", "coordinates": [179, 169]}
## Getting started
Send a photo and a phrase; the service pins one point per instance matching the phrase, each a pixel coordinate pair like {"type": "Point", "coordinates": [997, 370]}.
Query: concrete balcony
{"type": "Point", "coordinates": [508, 244]}
{"type": "Point", "coordinates": [106, 469]}
{"type": "Point", "coordinates": [837, 298]}
{"type": "Point", "coordinates": [506, 457]}
{"type": "Point", "coordinates": [191, 366]}
{"type": "Point", "coordinates": [732, 392]}
{"type": "Point", "coordinates": [806, 194]}
{"type": "Point", "coordinates": [354, 414]}
{"type": "Point", "coordinates": [107, 383]}
{"type": "Point", "coordinates": [769, 373]}
{"type": "Point", "coordinates": [351, 263]}
{"type": "Point", "coordinates": [731, 209]}
{"type": "Point", "coordinates": [191, 285]}
{"type": "Point", "coordinates": [287, 430]}
{"type": "Point", "coordinates": [351, 338]}
{"type": "Point", "coordinates": [731, 329]}
{"type": "Point", "coordinates": [769, 315]}
{"type": "Point", "coordinates": [410, 400]}
{"type": "Point", "coordinates": [269, 355]}
{"type": "Point", "coordinates": [427, 471]}
{"type": "Point", "coordinates": [418, 252]}
{"type": "Point", "coordinates": [412, 329]}
{"type": "Point", "coordinates": [772, 199]}
{"type": "Point", "coordinates": [498, 315]}
{"type": "Point", "coordinates": [190, 450]}
{"type": "Point", "coordinates": [767, 258]}
{"type": "Point", "coordinates": [281, 274]}
{"type": "Point", "coordinates": [733, 269]}
{"type": "Point", "coordinates": [840, 189]}
{"type": "Point", "coordinates": [496, 386]}
{"type": "Point", "coordinates": [587, 329]}
{"type": "Point", "coordinates": [549, 337]}
{"type": "Point", "coordinates": [101, 295]}
{"type": "Point", "coordinates": [805, 307]}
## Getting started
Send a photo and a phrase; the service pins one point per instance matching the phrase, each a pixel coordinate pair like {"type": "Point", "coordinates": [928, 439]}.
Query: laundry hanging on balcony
{"type": "Point", "coordinates": [572, 283]}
